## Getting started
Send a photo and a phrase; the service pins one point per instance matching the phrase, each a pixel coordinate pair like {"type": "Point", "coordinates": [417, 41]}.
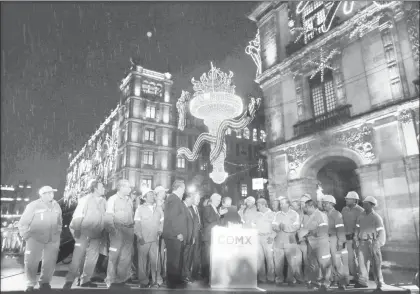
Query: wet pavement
{"type": "Point", "coordinates": [13, 279]}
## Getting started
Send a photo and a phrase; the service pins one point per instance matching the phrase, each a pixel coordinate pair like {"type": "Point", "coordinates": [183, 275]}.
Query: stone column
{"type": "Point", "coordinates": [298, 77]}
{"type": "Point", "coordinates": [339, 80]}
{"type": "Point", "coordinates": [406, 119]}
{"type": "Point", "coordinates": [391, 58]}
{"type": "Point", "coordinates": [371, 185]}
{"type": "Point", "coordinates": [412, 169]}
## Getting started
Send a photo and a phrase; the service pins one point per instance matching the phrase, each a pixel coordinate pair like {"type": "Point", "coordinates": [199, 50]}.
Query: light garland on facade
{"type": "Point", "coordinates": [322, 64]}
{"type": "Point", "coordinates": [215, 102]}
{"type": "Point", "coordinates": [96, 159]}
{"type": "Point", "coordinates": [254, 50]}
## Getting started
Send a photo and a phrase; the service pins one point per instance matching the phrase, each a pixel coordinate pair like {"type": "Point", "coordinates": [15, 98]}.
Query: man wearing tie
{"type": "Point", "coordinates": [188, 241]}
{"type": "Point", "coordinates": [211, 218]}
{"type": "Point", "coordinates": [175, 231]}
{"type": "Point", "coordinates": [195, 255]}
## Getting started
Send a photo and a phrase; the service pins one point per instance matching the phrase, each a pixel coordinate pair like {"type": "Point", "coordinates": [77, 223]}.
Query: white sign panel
{"type": "Point", "coordinates": [233, 258]}
{"type": "Point", "coordinates": [258, 184]}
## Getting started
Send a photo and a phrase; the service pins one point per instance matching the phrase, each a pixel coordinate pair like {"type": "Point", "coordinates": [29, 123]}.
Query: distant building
{"type": "Point", "coordinates": [342, 108]}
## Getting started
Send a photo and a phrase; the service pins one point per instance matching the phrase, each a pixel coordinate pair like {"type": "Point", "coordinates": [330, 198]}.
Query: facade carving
{"type": "Point", "coordinates": [413, 33]}
{"type": "Point", "coordinates": [405, 116]}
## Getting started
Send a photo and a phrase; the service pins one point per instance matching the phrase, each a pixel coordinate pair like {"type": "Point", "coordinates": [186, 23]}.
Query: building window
{"type": "Point", "coordinates": [254, 135]}
{"type": "Point", "coordinates": [313, 16]}
{"type": "Point", "coordinates": [239, 134]}
{"type": "Point", "coordinates": [246, 133]}
{"type": "Point", "coordinates": [180, 163]}
{"type": "Point", "coordinates": [262, 136]}
{"type": "Point", "coordinates": [322, 94]}
{"type": "Point", "coordinates": [148, 157]}
{"type": "Point", "coordinates": [151, 111]}
{"type": "Point", "coordinates": [149, 135]}
{"type": "Point", "coordinates": [244, 190]}
{"type": "Point", "coordinates": [146, 182]}
{"type": "Point", "coordinates": [228, 131]}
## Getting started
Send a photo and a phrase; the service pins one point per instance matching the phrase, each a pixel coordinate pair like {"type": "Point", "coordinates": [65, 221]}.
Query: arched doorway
{"type": "Point", "coordinates": [337, 177]}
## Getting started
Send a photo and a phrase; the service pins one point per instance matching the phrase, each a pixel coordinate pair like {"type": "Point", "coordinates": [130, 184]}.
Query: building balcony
{"type": "Point", "coordinates": [335, 117]}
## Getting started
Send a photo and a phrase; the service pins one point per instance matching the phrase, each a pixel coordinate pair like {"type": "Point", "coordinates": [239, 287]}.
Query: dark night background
{"type": "Point", "coordinates": [61, 64]}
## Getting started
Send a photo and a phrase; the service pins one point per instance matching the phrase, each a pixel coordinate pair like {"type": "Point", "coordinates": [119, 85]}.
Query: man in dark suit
{"type": "Point", "coordinates": [232, 215]}
{"type": "Point", "coordinates": [211, 218]}
{"type": "Point", "coordinates": [175, 231]}
{"type": "Point", "coordinates": [188, 241]}
{"type": "Point", "coordinates": [195, 257]}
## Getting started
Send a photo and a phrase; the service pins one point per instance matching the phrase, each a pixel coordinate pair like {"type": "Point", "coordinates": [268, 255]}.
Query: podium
{"type": "Point", "coordinates": [233, 258]}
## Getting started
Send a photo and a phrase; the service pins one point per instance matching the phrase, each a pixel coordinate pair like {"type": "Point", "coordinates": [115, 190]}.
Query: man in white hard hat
{"type": "Point", "coordinates": [350, 214]}
{"type": "Point", "coordinates": [119, 222]}
{"type": "Point", "coordinates": [319, 256]}
{"type": "Point", "coordinates": [87, 227]}
{"type": "Point", "coordinates": [250, 212]}
{"type": "Point", "coordinates": [286, 224]}
{"type": "Point", "coordinates": [148, 228]}
{"type": "Point", "coordinates": [265, 237]}
{"type": "Point", "coordinates": [40, 226]}
{"type": "Point", "coordinates": [302, 256]}
{"type": "Point", "coordinates": [337, 239]}
{"type": "Point", "coordinates": [369, 238]}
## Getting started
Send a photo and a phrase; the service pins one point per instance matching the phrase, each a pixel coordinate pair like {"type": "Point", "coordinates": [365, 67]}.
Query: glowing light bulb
{"type": "Point", "coordinates": [149, 34]}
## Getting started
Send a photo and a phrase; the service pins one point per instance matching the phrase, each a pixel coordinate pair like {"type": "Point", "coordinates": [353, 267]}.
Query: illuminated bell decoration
{"type": "Point", "coordinates": [215, 102]}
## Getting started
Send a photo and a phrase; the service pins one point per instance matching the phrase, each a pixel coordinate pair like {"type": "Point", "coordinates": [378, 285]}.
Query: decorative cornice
{"type": "Point", "coordinates": [152, 123]}
{"type": "Point", "coordinates": [283, 67]}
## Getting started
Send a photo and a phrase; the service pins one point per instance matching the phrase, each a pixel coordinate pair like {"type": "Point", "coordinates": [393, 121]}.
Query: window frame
{"type": "Point", "coordinates": [145, 181]}
{"type": "Point", "coordinates": [150, 106]}
{"type": "Point", "coordinates": [148, 154]}
{"type": "Point", "coordinates": [316, 82]}
{"type": "Point", "coordinates": [149, 131]}
{"type": "Point", "coordinates": [180, 159]}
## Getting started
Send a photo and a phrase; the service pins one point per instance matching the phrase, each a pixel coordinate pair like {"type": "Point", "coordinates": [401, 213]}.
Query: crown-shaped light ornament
{"type": "Point", "coordinates": [214, 81]}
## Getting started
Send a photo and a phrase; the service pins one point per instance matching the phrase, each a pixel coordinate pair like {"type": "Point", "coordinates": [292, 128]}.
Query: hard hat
{"type": "Point", "coordinates": [262, 201]}
{"type": "Point", "coordinates": [46, 189]}
{"type": "Point", "coordinates": [160, 189]}
{"type": "Point", "coordinates": [302, 233]}
{"type": "Point", "coordinates": [370, 199]}
{"type": "Point", "coordinates": [305, 198]}
{"type": "Point", "coordinates": [352, 195]}
{"type": "Point", "coordinates": [145, 191]}
{"type": "Point", "coordinates": [329, 198]}
{"type": "Point", "coordinates": [281, 198]}
{"type": "Point", "coordinates": [250, 199]}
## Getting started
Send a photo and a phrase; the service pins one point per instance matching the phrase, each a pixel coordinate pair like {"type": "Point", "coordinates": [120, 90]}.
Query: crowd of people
{"type": "Point", "coordinates": [165, 238]}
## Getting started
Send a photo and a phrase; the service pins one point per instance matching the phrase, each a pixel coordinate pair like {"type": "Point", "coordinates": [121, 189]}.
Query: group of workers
{"type": "Point", "coordinates": [321, 245]}
{"type": "Point", "coordinates": [11, 241]}
{"type": "Point", "coordinates": [171, 236]}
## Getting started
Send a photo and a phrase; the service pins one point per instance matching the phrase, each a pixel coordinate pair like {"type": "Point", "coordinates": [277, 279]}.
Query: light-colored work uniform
{"type": "Point", "coordinates": [40, 226]}
{"type": "Point", "coordinates": [250, 216]}
{"type": "Point", "coordinates": [120, 223]}
{"type": "Point", "coordinates": [265, 249]}
{"type": "Point", "coordinates": [319, 256]}
{"type": "Point", "coordinates": [339, 255]}
{"type": "Point", "coordinates": [88, 221]}
{"type": "Point", "coordinates": [285, 245]}
{"type": "Point", "coordinates": [148, 222]}
{"type": "Point", "coordinates": [302, 255]}
{"type": "Point", "coordinates": [370, 234]}
{"type": "Point", "coordinates": [349, 218]}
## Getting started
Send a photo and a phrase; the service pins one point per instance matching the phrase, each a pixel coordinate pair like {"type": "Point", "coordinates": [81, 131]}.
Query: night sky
{"type": "Point", "coordinates": [61, 65]}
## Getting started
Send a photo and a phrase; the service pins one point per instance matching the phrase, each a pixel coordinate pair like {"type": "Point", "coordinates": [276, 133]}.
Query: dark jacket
{"type": "Point", "coordinates": [197, 227]}
{"type": "Point", "coordinates": [210, 219]}
{"type": "Point", "coordinates": [175, 220]}
{"type": "Point", "coordinates": [231, 216]}
{"type": "Point", "coordinates": [188, 238]}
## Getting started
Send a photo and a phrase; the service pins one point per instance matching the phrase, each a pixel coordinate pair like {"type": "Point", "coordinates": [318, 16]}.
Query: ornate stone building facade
{"type": "Point", "coordinates": [341, 108]}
